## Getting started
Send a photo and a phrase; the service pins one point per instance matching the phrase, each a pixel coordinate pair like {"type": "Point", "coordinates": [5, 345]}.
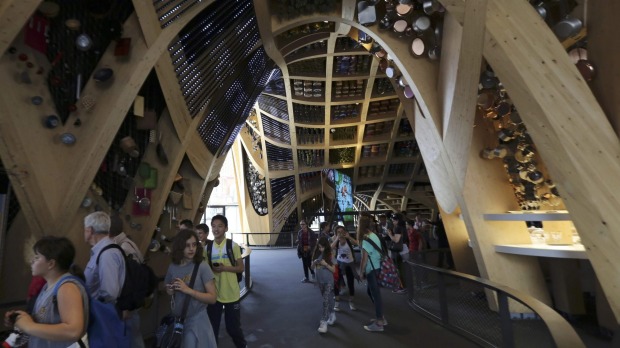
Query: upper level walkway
{"type": "Point", "coordinates": [280, 311]}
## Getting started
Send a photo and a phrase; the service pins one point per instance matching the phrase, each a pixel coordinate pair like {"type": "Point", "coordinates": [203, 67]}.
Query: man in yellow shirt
{"type": "Point", "coordinates": [228, 296]}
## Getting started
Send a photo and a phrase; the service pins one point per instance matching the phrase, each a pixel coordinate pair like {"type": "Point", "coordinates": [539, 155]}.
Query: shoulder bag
{"type": "Point", "coordinates": [388, 274]}
{"type": "Point", "coordinates": [170, 331]}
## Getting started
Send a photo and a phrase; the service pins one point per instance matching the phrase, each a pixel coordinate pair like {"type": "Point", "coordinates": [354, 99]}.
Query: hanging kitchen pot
{"type": "Point", "coordinates": [501, 151]}
{"type": "Point", "coordinates": [129, 146]}
{"type": "Point", "coordinates": [68, 138]}
{"type": "Point", "coordinates": [488, 80]}
{"type": "Point", "coordinates": [408, 92]}
{"type": "Point", "coordinates": [487, 153]}
{"type": "Point", "coordinates": [51, 121]}
{"type": "Point", "coordinates": [434, 52]}
{"type": "Point", "coordinates": [145, 203]}
{"type": "Point", "coordinates": [585, 67]}
{"type": "Point", "coordinates": [154, 245]}
{"type": "Point", "coordinates": [84, 42]}
{"type": "Point", "coordinates": [103, 75]}
{"type": "Point", "coordinates": [403, 10]}
{"type": "Point", "coordinates": [400, 26]}
{"type": "Point", "coordinates": [385, 23]}
{"type": "Point", "coordinates": [486, 99]}
{"type": "Point", "coordinates": [142, 202]}
{"type": "Point", "coordinates": [567, 27]}
{"type": "Point", "coordinates": [542, 11]}
{"type": "Point", "coordinates": [502, 108]}
{"type": "Point", "coordinates": [383, 64]}
{"type": "Point", "coordinates": [366, 13]}
{"type": "Point", "coordinates": [524, 154]}
{"type": "Point", "coordinates": [431, 6]}
{"type": "Point", "coordinates": [418, 47]}
{"type": "Point", "coordinates": [421, 24]}
{"type": "Point", "coordinates": [364, 38]}
{"type": "Point", "coordinates": [36, 100]}
{"type": "Point", "coordinates": [535, 177]}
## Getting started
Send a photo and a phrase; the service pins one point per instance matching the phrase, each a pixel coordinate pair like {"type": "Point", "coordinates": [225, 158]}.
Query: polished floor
{"type": "Point", "coordinates": [280, 311]}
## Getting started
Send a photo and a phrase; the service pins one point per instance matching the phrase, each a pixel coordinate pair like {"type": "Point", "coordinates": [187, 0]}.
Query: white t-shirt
{"type": "Point", "coordinates": [345, 254]}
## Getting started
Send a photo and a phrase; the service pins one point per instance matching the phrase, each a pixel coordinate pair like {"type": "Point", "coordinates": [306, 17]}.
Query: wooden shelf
{"type": "Point", "coordinates": [576, 251]}
{"type": "Point", "coordinates": [556, 215]}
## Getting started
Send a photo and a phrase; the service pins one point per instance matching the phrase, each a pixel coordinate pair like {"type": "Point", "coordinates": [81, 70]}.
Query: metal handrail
{"type": "Point", "coordinates": [561, 332]}
{"type": "Point", "coordinates": [245, 239]}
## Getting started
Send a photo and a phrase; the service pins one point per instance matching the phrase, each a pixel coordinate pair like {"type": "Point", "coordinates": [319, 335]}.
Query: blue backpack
{"type": "Point", "coordinates": [105, 326]}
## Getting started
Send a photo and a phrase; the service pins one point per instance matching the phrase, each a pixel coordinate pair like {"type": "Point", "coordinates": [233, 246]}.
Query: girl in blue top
{"type": "Point", "coordinates": [324, 269]}
{"type": "Point", "coordinates": [57, 321]}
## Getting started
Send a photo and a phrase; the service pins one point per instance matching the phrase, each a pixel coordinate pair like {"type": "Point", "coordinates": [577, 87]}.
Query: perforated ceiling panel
{"type": "Point", "coordinates": [220, 70]}
{"type": "Point", "coordinates": [210, 49]}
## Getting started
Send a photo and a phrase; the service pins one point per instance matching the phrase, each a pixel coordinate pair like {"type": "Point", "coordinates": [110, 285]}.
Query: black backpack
{"type": "Point", "coordinates": [229, 252]}
{"type": "Point", "coordinates": [140, 281]}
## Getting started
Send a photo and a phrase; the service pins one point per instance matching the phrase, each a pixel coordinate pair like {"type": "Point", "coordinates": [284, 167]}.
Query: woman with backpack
{"type": "Point", "coordinates": [370, 267]}
{"type": "Point", "coordinates": [186, 253]}
{"type": "Point", "coordinates": [60, 320]}
{"type": "Point", "coordinates": [343, 247]}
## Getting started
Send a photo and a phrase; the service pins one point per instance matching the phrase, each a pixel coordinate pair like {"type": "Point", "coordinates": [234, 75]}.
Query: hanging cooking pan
{"type": "Point", "coordinates": [502, 108]}
{"type": "Point", "coordinates": [408, 92]}
{"type": "Point", "coordinates": [421, 24]}
{"type": "Point", "coordinates": [400, 26]}
{"type": "Point", "coordinates": [579, 56]}
{"type": "Point", "coordinates": [404, 10]}
{"type": "Point", "coordinates": [430, 6]}
{"type": "Point", "coordinates": [417, 47]}
{"type": "Point", "coordinates": [433, 53]}
{"type": "Point", "coordinates": [542, 11]}
{"type": "Point", "coordinates": [366, 13]}
{"type": "Point", "coordinates": [385, 23]}
{"type": "Point", "coordinates": [486, 99]}
{"type": "Point", "coordinates": [488, 79]}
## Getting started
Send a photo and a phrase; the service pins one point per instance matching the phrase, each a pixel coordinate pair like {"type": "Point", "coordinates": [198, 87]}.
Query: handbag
{"type": "Point", "coordinates": [170, 331]}
{"type": "Point", "coordinates": [388, 274]}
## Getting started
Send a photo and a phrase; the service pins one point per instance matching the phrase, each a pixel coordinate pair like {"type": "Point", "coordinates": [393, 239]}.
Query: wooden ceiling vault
{"type": "Point", "coordinates": [581, 153]}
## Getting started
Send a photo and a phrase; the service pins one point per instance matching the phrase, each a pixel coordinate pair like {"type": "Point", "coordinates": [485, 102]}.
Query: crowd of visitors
{"type": "Point", "coordinates": [60, 317]}
{"type": "Point", "coordinates": [203, 274]}
{"type": "Point", "coordinates": [333, 256]}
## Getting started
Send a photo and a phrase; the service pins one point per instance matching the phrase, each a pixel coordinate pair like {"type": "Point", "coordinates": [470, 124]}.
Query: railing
{"type": "Point", "coordinates": [284, 239]}
{"type": "Point", "coordinates": [245, 285]}
{"type": "Point", "coordinates": [489, 314]}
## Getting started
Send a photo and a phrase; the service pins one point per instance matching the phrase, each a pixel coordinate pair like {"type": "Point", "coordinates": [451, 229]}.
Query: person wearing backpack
{"type": "Point", "coordinates": [131, 249]}
{"type": "Point", "coordinates": [224, 256]}
{"type": "Point", "coordinates": [59, 320]}
{"type": "Point", "coordinates": [105, 271]}
{"type": "Point", "coordinates": [370, 267]}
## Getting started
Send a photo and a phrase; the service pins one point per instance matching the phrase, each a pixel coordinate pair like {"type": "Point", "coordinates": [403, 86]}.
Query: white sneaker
{"type": "Point", "coordinates": [332, 319]}
{"type": "Point", "coordinates": [385, 323]}
{"type": "Point", "coordinates": [322, 327]}
{"type": "Point", "coordinates": [352, 306]}
{"type": "Point", "coordinates": [337, 306]}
